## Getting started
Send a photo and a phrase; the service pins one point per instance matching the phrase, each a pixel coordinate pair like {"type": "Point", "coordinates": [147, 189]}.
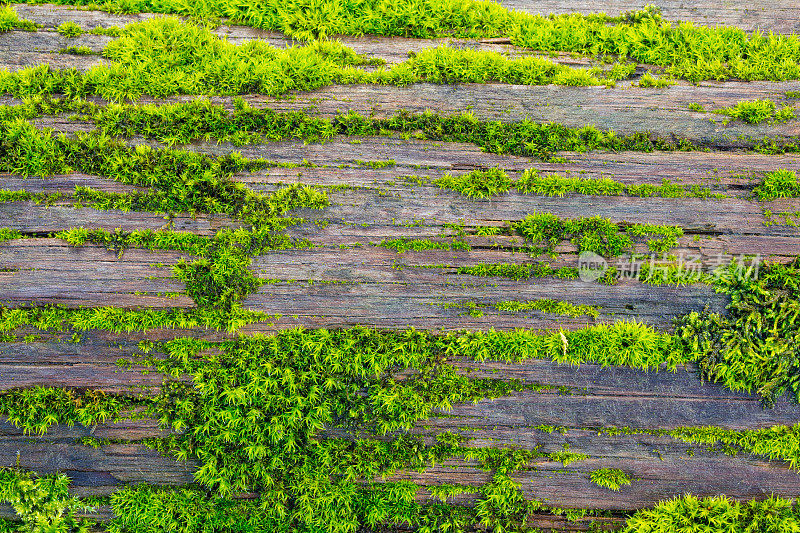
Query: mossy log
{"type": "Point", "coordinates": [384, 187]}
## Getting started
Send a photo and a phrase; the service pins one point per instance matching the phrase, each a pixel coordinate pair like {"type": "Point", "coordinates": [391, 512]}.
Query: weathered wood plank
{"type": "Point", "coordinates": [64, 184]}
{"type": "Point", "coordinates": [779, 16]}
{"type": "Point", "coordinates": [706, 216]}
{"type": "Point", "coordinates": [50, 271]}
{"type": "Point", "coordinates": [365, 286]}
{"type": "Point", "coordinates": [51, 16]}
{"type": "Point", "coordinates": [28, 217]}
{"type": "Point", "coordinates": [22, 49]}
{"type": "Point", "coordinates": [97, 470]}
{"type": "Point", "coordinates": [622, 109]}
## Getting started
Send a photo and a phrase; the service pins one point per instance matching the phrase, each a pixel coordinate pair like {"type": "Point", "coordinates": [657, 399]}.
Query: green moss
{"type": "Point", "coordinates": [785, 218]}
{"type": "Point", "coordinates": [598, 235]}
{"type": "Point", "coordinates": [531, 182]}
{"type": "Point", "coordinates": [716, 513]}
{"type": "Point", "coordinates": [183, 122]}
{"type": "Point", "coordinates": [50, 318]}
{"type": "Point", "coordinates": [519, 272]}
{"type": "Point", "coordinates": [448, 65]}
{"type": "Point", "coordinates": [477, 184]}
{"type": "Point", "coordinates": [651, 82]}
{"type": "Point", "coordinates": [9, 20]}
{"type": "Point", "coordinates": [558, 307]}
{"type": "Point", "coordinates": [544, 305]}
{"type": "Point", "coordinates": [688, 51]}
{"type": "Point", "coordinates": [36, 409]}
{"type": "Point", "coordinates": [145, 59]}
{"type": "Point", "coordinates": [42, 503]}
{"type": "Point", "coordinates": [776, 442]}
{"type": "Point", "coordinates": [776, 184]}
{"type": "Point", "coordinates": [610, 478]}
{"type": "Point", "coordinates": [753, 346]}
{"type": "Point", "coordinates": [77, 50]}
{"type": "Point", "coordinates": [69, 29]}
{"type": "Point", "coordinates": [404, 244]}
{"type": "Point", "coordinates": [757, 111]}
{"type": "Point", "coordinates": [7, 234]}
{"type": "Point", "coordinates": [697, 108]}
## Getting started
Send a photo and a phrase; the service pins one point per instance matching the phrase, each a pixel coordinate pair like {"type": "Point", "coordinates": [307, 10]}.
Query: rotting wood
{"type": "Point", "coordinates": [336, 284]}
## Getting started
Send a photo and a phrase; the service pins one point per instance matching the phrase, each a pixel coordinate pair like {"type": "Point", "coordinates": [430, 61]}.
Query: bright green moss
{"type": "Point", "coordinates": [776, 442]}
{"type": "Point", "coordinates": [753, 346]}
{"type": "Point", "coordinates": [610, 478]}
{"type": "Point", "coordinates": [127, 320]}
{"type": "Point", "coordinates": [558, 307]}
{"type": "Point", "coordinates": [165, 56]}
{"type": "Point", "coordinates": [28, 151]}
{"type": "Point", "coordinates": [601, 236]}
{"type": "Point", "coordinates": [404, 244]}
{"type": "Point", "coordinates": [69, 29]}
{"type": "Point", "coordinates": [36, 409]}
{"type": "Point", "coordinates": [651, 82]}
{"type": "Point", "coordinates": [448, 65]}
{"type": "Point", "coordinates": [531, 182]}
{"type": "Point", "coordinates": [687, 50]}
{"type": "Point", "coordinates": [7, 234]}
{"type": "Point", "coordinates": [42, 503]}
{"type": "Point", "coordinates": [757, 111]}
{"type": "Point", "coordinates": [9, 20]}
{"type": "Point", "coordinates": [518, 271]}
{"type": "Point", "coordinates": [779, 183]}
{"type": "Point", "coordinates": [716, 513]}
{"type": "Point", "coordinates": [478, 183]}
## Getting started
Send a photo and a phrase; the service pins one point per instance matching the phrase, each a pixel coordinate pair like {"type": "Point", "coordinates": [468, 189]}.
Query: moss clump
{"type": "Point", "coordinates": [651, 82]}
{"type": "Point", "coordinates": [69, 29]}
{"type": "Point", "coordinates": [449, 65]}
{"type": "Point", "coordinates": [519, 272]}
{"type": "Point", "coordinates": [36, 409]}
{"type": "Point", "coordinates": [601, 236]}
{"type": "Point", "coordinates": [758, 111]}
{"type": "Point", "coordinates": [776, 442]}
{"type": "Point", "coordinates": [610, 478]}
{"type": "Point", "coordinates": [478, 183]}
{"type": "Point", "coordinates": [717, 513]}
{"type": "Point", "coordinates": [531, 182]}
{"type": "Point", "coordinates": [776, 184]}
{"type": "Point", "coordinates": [39, 153]}
{"type": "Point", "coordinates": [50, 318]}
{"type": "Point", "coordinates": [7, 234]}
{"type": "Point", "coordinates": [558, 307]}
{"type": "Point", "coordinates": [754, 345]}
{"type": "Point", "coordinates": [42, 503]}
{"type": "Point", "coordinates": [404, 244]}
{"type": "Point", "coordinates": [9, 20]}
{"type": "Point", "coordinates": [165, 56]}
